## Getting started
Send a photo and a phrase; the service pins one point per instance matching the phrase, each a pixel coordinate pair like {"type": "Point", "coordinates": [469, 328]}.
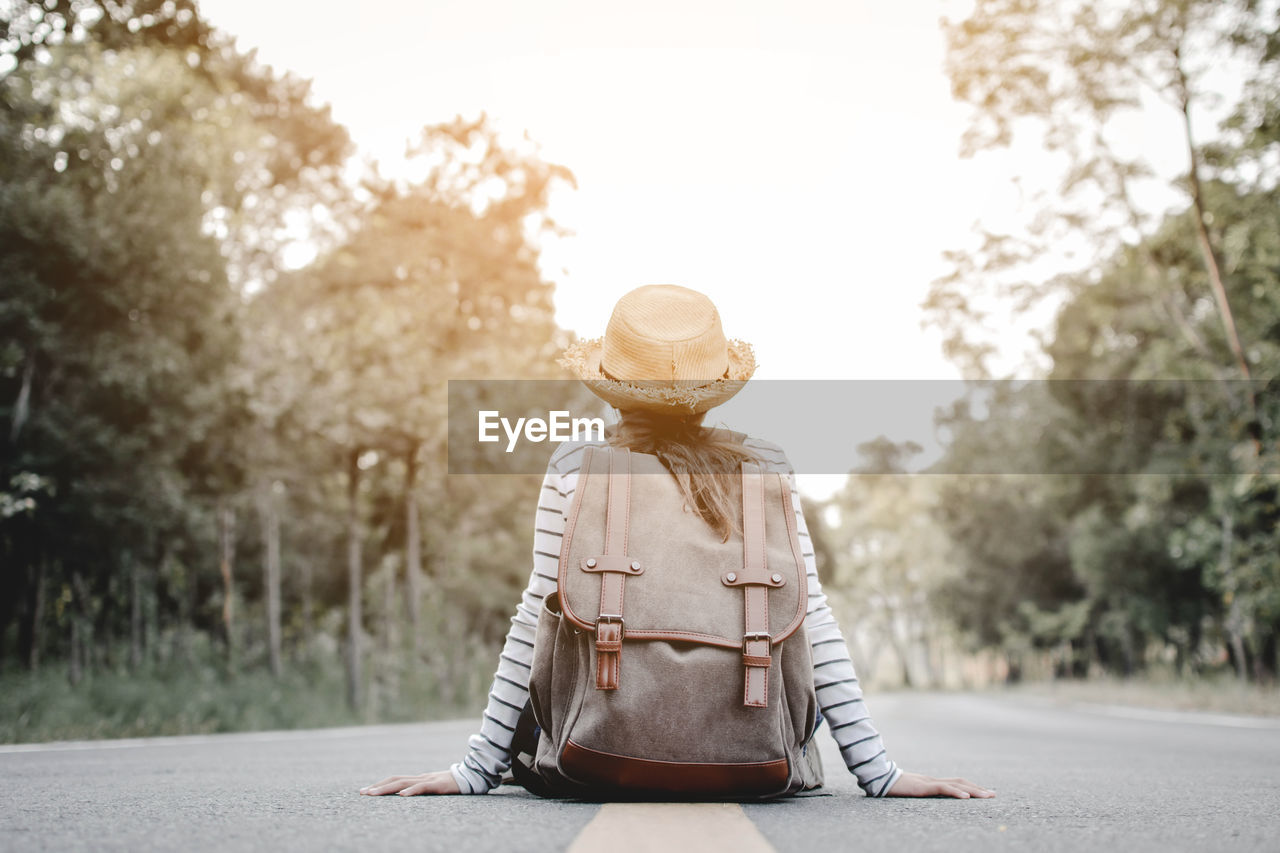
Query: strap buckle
{"type": "Point", "coordinates": [612, 617]}
{"type": "Point", "coordinates": [755, 635]}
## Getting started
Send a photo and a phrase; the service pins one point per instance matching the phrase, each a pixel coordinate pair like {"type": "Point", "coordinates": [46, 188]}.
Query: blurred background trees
{"type": "Point", "coordinates": [205, 445]}
{"type": "Point", "coordinates": [1121, 512]}
{"type": "Point", "coordinates": [1180, 556]}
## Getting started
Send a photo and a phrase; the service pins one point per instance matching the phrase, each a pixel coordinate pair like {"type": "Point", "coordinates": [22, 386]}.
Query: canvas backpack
{"type": "Point", "coordinates": [669, 663]}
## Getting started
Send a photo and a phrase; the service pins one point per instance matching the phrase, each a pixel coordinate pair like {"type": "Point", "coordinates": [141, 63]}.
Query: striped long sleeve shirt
{"type": "Point", "coordinates": [839, 694]}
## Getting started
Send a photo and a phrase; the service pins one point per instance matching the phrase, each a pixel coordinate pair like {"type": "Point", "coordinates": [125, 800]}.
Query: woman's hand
{"type": "Point", "coordinates": [920, 785]}
{"type": "Point", "coordinates": [440, 782]}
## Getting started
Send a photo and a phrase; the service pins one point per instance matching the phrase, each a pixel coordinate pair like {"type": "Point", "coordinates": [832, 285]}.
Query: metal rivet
{"type": "Point", "coordinates": [635, 566]}
{"type": "Point", "coordinates": [731, 577]}
{"type": "Point", "coordinates": [777, 578]}
{"type": "Point", "coordinates": [591, 562]}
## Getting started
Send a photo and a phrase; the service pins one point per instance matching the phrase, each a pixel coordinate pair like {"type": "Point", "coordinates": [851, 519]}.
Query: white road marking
{"type": "Point", "coordinates": [670, 827]}
{"type": "Point", "coordinates": [1237, 721]}
{"type": "Point", "coordinates": [334, 733]}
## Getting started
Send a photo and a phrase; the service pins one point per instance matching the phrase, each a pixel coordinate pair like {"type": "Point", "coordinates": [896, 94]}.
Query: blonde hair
{"type": "Point", "coordinates": [706, 463]}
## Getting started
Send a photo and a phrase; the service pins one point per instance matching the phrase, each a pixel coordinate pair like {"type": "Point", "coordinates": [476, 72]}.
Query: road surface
{"type": "Point", "coordinates": [1067, 778]}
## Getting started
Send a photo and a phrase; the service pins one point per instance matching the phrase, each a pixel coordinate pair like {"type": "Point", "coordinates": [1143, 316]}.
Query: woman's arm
{"type": "Point", "coordinates": [840, 696]}
{"type": "Point", "coordinates": [489, 753]}
{"type": "Point", "coordinates": [836, 682]}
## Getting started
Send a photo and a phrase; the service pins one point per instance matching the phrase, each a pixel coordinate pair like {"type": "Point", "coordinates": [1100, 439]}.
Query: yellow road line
{"type": "Point", "coordinates": [670, 827]}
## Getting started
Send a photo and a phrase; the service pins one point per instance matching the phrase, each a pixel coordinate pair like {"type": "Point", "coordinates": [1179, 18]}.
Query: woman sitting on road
{"type": "Point", "coordinates": [647, 325]}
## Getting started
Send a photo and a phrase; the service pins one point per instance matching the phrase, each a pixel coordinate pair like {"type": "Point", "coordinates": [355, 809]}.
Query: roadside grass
{"type": "Point", "coordinates": [203, 696]}
{"type": "Point", "coordinates": [1220, 693]}
{"type": "Point", "coordinates": [200, 694]}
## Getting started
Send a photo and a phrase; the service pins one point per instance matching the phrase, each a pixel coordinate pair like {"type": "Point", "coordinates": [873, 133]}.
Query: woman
{"type": "Point", "coordinates": [675, 333]}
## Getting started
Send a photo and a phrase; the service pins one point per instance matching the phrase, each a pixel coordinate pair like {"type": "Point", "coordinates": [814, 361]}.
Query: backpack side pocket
{"type": "Point", "coordinates": [542, 672]}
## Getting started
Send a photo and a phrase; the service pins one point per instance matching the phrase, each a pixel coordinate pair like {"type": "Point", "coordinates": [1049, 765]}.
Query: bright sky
{"type": "Point", "coordinates": [796, 162]}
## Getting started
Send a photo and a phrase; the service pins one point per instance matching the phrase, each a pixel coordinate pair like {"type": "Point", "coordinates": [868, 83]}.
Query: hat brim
{"type": "Point", "coordinates": [582, 359]}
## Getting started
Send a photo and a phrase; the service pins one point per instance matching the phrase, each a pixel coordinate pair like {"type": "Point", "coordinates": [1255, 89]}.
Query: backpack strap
{"type": "Point", "coordinates": [524, 742]}
{"type": "Point", "coordinates": [613, 572]}
{"type": "Point", "coordinates": [755, 580]}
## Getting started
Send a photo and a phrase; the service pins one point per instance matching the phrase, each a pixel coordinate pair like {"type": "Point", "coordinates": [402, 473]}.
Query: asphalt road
{"type": "Point", "coordinates": [1068, 778]}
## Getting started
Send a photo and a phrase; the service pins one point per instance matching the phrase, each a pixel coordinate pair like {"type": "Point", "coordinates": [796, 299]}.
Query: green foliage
{"type": "Point", "coordinates": [1158, 528]}
{"type": "Point", "coordinates": [882, 557]}
{"type": "Point", "coordinates": [211, 461]}
{"type": "Point", "coordinates": [196, 694]}
{"type": "Point", "coordinates": [1082, 73]}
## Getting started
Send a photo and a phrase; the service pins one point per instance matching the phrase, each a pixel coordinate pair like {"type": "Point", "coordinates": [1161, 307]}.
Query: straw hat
{"type": "Point", "coordinates": [663, 350]}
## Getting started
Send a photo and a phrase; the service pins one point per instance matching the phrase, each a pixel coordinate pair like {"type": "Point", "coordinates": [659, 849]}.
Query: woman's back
{"type": "Point", "coordinates": [664, 361]}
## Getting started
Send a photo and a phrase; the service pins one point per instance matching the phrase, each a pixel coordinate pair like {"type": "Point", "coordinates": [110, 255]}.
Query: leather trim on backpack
{"type": "Point", "coordinates": [593, 767]}
{"type": "Point", "coordinates": [613, 574]}
{"type": "Point", "coordinates": [793, 534]}
{"type": "Point", "coordinates": [590, 478]}
{"type": "Point", "coordinates": [756, 644]}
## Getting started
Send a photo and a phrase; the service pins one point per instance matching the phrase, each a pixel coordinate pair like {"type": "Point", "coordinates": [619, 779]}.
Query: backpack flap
{"type": "Point", "coordinates": [674, 580]}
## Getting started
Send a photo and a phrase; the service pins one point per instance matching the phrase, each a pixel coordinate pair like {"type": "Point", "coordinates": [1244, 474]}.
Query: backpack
{"type": "Point", "coordinates": [668, 663]}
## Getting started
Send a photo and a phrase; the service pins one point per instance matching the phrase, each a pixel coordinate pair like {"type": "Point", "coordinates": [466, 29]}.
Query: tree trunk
{"type": "Point", "coordinates": [1236, 640]}
{"type": "Point", "coordinates": [273, 590]}
{"type": "Point", "coordinates": [135, 613]}
{"type": "Point", "coordinates": [1271, 656]}
{"type": "Point", "coordinates": [37, 614]}
{"type": "Point", "coordinates": [389, 614]}
{"type": "Point", "coordinates": [928, 647]}
{"type": "Point", "coordinates": [306, 604]}
{"type": "Point", "coordinates": [156, 617]}
{"type": "Point", "coordinates": [385, 670]}
{"type": "Point", "coordinates": [1235, 619]}
{"type": "Point", "coordinates": [226, 564]}
{"type": "Point", "coordinates": [74, 672]}
{"type": "Point", "coordinates": [25, 600]}
{"type": "Point", "coordinates": [354, 618]}
{"type": "Point", "coordinates": [898, 646]}
{"type": "Point", "coordinates": [8, 602]}
{"type": "Point", "coordinates": [412, 549]}
{"type": "Point", "coordinates": [81, 660]}
{"type": "Point", "coordinates": [188, 596]}
{"type": "Point", "coordinates": [21, 407]}
{"type": "Point", "coordinates": [1127, 651]}
{"type": "Point", "coordinates": [1210, 257]}
{"type": "Point", "coordinates": [1013, 668]}
{"type": "Point", "coordinates": [864, 663]}
{"type": "Point", "coordinates": [270, 519]}
{"type": "Point", "coordinates": [1193, 644]}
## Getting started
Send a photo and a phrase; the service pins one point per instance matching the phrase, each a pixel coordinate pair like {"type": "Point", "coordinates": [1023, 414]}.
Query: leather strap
{"type": "Point", "coordinates": [609, 624]}
{"type": "Point", "coordinates": [756, 641]}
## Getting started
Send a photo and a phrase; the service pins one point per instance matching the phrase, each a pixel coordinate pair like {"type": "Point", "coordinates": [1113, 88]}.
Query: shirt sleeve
{"type": "Point", "coordinates": [839, 694]}
{"type": "Point", "coordinates": [489, 750]}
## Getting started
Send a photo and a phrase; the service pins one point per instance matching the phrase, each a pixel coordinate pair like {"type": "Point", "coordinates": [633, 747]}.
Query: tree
{"type": "Point", "coordinates": [119, 373]}
{"type": "Point", "coordinates": [1075, 68]}
{"type": "Point", "coordinates": [1144, 496]}
{"type": "Point", "coordinates": [1157, 334]}
{"type": "Point", "coordinates": [438, 280]}
{"type": "Point", "coordinates": [887, 556]}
